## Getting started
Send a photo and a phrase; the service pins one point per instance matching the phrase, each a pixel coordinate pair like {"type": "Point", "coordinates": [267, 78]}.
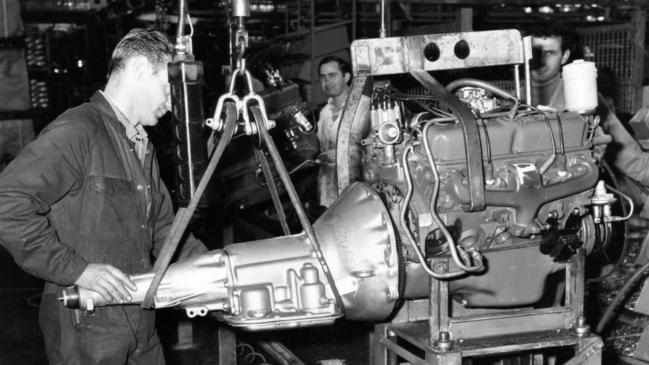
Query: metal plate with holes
{"type": "Point", "coordinates": [385, 56]}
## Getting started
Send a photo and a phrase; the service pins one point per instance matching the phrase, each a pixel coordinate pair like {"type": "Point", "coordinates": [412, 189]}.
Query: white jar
{"type": "Point", "coordinates": [580, 86]}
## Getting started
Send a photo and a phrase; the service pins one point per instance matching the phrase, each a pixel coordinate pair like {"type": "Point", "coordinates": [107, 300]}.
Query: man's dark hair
{"type": "Point", "coordinates": [344, 65]}
{"type": "Point", "coordinates": [569, 38]}
{"type": "Point", "coordinates": [151, 44]}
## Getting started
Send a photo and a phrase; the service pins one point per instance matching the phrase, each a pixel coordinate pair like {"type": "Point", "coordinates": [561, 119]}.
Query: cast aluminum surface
{"type": "Point", "coordinates": [397, 55]}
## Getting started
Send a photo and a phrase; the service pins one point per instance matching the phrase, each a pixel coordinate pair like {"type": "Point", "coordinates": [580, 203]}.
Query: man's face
{"type": "Point", "coordinates": [547, 58]}
{"type": "Point", "coordinates": [155, 100]}
{"type": "Point", "coordinates": [332, 80]}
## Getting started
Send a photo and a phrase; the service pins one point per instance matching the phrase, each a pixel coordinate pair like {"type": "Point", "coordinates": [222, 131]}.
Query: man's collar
{"type": "Point", "coordinates": [344, 95]}
{"type": "Point", "coordinates": [134, 131]}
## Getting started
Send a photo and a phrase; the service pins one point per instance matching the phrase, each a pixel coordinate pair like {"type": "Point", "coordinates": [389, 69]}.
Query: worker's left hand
{"type": "Point", "coordinates": [107, 280]}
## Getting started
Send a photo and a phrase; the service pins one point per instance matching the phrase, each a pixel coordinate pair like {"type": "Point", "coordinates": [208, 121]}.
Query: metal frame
{"type": "Point", "coordinates": [433, 52]}
{"type": "Point", "coordinates": [402, 55]}
{"type": "Point", "coordinates": [444, 339]}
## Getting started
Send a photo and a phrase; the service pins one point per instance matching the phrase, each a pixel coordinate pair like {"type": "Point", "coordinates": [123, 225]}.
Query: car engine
{"type": "Point", "coordinates": [462, 184]}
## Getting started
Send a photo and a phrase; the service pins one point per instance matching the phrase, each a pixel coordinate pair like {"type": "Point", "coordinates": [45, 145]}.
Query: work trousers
{"type": "Point", "coordinates": [112, 335]}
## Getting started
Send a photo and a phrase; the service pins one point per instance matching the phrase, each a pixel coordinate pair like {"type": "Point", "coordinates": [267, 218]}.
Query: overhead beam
{"type": "Point", "coordinates": [640, 3]}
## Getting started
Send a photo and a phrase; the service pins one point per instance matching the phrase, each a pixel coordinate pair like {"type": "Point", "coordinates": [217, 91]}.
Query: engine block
{"type": "Point", "coordinates": [539, 168]}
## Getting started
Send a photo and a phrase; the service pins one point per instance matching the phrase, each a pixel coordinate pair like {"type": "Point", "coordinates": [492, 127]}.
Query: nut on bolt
{"type": "Point", "coordinates": [444, 342]}
{"type": "Point", "coordinates": [581, 327]}
{"type": "Point", "coordinates": [216, 125]}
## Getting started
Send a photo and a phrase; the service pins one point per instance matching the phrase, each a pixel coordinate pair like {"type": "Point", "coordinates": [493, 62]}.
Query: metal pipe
{"type": "Point", "coordinates": [382, 31]}
{"type": "Point", "coordinates": [527, 52]}
{"type": "Point", "coordinates": [312, 38]}
{"type": "Point", "coordinates": [406, 229]}
{"type": "Point", "coordinates": [180, 32]}
{"type": "Point", "coordinates": [517, 81]}
{"type": "Point", "coordinates": [354, 11]}
{"type": "Point", "coordinates": [298, 8]}
{"type": "Point", "coordinates": [433, 208]}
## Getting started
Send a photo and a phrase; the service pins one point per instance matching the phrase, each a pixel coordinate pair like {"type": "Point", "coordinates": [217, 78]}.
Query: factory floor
{"type": "Point", "coordinates": [195, 342]}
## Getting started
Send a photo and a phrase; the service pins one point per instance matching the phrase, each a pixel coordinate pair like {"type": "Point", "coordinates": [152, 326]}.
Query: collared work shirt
{"type": "Point", "coordinates": [134, 130]}
{"type": "Point", "coordinates": [140, 145]}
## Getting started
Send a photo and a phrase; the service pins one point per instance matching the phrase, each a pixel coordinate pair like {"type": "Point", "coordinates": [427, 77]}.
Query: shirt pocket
{"type": "Point", "coordinates": [111, 209]}
{"type": "Point", "coordinates": [110, 185]}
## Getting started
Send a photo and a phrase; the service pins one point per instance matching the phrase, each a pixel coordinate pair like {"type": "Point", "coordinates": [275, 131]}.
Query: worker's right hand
{"type": "Point", "coordinates": [108, 281]}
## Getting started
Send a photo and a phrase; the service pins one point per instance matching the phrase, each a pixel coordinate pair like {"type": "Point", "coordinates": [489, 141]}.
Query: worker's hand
{"type": "Point", "coordinates": [599, 148]}
{"type": "Point", "coordinates": [108, 281]}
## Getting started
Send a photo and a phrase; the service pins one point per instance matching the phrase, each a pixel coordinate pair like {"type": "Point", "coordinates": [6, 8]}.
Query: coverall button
{"type": "Point", "coordinates": [140, 187]}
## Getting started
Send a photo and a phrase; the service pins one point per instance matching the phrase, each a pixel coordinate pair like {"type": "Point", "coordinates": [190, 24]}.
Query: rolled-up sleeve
{"type": "Point", "coordinates": [45, 171]}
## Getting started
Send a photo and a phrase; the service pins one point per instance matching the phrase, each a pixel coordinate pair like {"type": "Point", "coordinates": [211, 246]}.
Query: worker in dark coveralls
{"type": "Point", "coordinates": [84, 205]}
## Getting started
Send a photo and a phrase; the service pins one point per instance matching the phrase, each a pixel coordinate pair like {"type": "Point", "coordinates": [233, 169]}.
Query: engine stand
{"type": "Point", "coordinates": [438, 338]}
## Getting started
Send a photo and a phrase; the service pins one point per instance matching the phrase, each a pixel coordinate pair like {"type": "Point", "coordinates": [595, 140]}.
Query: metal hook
{"type": "Point", "coordinates": [216, 122]}
{"type": "Point", "coordinates": [241, 104]}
